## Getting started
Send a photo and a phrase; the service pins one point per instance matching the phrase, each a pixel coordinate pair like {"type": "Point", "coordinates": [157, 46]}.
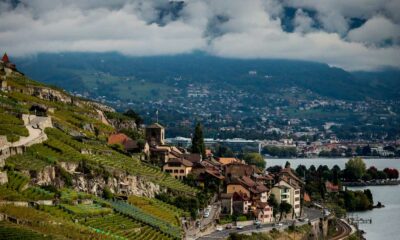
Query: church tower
{"type": "Point", "coordinates": [155, 134]}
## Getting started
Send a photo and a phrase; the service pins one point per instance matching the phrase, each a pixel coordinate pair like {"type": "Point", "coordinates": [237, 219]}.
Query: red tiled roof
{"type": "Point", "coordinates": [306, 197]}
{"type": "Point", "coordinates": [248, 181]}
{"type": "Point", "coordinates": [117, 138]}
{"type": "Point", "coordinates": [122, 139]}
{"type": "Point", "coordinates": [181, 161]}
{"type": "Point", "coordinates": [215, 173]}
{"type": "Point", "coordinates": [330, 187]}
{"type": "Point", "coordinates": [227, 160]}
{"type": "Point", "coordinates": [5, 58]}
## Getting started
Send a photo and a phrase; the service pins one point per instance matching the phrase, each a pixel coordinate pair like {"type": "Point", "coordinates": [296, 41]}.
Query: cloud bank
{"type": "Point", "coordinates": [352, 34]}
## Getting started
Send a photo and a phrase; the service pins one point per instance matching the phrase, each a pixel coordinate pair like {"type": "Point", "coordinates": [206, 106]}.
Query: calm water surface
{"type": "Point", "coordinates": [385, 221]}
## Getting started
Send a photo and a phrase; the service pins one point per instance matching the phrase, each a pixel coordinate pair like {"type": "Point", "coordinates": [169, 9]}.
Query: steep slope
{"type": "Point", "coordinates": [66, 173]}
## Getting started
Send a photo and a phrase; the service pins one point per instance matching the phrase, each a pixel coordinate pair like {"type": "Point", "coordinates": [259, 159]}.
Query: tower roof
{"type": "Point", "coordinates": [5, 58]}
{"type": "Point", "coordinates": [155, 125]}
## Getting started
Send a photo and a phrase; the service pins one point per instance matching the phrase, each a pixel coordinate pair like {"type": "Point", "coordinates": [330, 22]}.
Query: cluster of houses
{"type": "Point", "coordinates": [243, 189]}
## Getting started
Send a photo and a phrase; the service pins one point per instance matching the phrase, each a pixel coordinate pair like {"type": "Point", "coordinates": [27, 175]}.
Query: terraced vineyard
{"type": "Point", "coordinates": [26, 161]}
{"type": "Point", "coordinates": [71, 148]}
{"type": "Point", "coordinates": [35, 193]}
{"type": "Point", "coordinates": [85, 210]}
{"type": "Point", "coordinates": [42, 222]}
{"type": "Point", "coordinates": [158, 208]}
{"type": "Point", "coordinates": [11, 126]}
{"type": "Point", "coordinates": [16, 181]}
{"type": "Point", "coordinates": [78, 137]}
{"type": "Point", "coordinates": [69, 195]}
{"type": "Point", "coordinates": [141, 216]}
{"type": "Point", "coordinates": [119, 226]}
{"type": "Point", "coordinates": [11, 231]}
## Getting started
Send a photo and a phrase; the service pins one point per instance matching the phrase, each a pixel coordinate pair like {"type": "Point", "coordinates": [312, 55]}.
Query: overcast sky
{"type": "Point", "coordinates": [352, 34]}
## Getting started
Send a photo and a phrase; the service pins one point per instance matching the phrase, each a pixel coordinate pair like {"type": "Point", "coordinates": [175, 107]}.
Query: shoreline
{"type": "Point", "coordinates": [317, 157]}
{"type": "Point", "coordinates": [365, 184]}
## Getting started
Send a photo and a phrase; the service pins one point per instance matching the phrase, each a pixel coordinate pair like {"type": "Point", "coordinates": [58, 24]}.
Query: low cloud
{"type": "Point", "coordinates": [238, 29]}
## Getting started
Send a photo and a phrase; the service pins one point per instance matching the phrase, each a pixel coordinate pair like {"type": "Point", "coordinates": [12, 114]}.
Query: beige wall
{"type": "Point", "coordinates": [177, 172]}
{"type": "Point", "coordinates": [266, 216]}
{"type": "Point", "coordinates": [294, 197]}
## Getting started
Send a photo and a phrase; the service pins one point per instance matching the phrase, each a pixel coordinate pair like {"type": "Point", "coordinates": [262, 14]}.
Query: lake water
{"type": "Point", "coordinates": [385, 221]}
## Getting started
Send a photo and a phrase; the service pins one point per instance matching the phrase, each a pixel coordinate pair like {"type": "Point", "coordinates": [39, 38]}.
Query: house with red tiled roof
{"type": "Point", "coordinates": [128, 144]}
{"type": "Point", "coordinates": [263, 212]}
{"type": "Point", "coordinates": [178, 167]}
{"type": "Point", "coordinates": [241, 203]}
{"type": "Point", "coordinates": [330, 187]}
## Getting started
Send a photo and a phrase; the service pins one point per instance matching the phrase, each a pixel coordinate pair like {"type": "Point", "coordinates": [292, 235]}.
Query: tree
{"type": "Point", "coordinates": [368, 193]}
{"type": "Point", "coordinates": [373, 172]}
{"type": "Point", "coordinates": [355, 169]}
{"type": "Point", "coordinates": [132, 114]}
{"type": "Point", "coordinates": [284, 208]}
{"type": "Point", "coordinates": [273, 203]}
{"type": "Point", "coordinates": [254, 159]}
{"type": "Point", "coordinates": [366, 151]}
{"type": "Point", "coordinates": [274, 169]}
{"type": "Point", "coordinates": [287, 164]}
{"type": "Point", "coordinates": [335, 174]}
{"type": "Point", "coordinates": [391, 173]}
{"type": "Point", "coordinates": [107, 194]}
{"type": "Point", "coordinates": [301, 170]}
{"type": "Point", "coordinates": [198, 141]}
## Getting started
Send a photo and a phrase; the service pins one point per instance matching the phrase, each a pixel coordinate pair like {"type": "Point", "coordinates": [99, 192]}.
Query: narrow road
{"type": "Point", "coordinates": [34, 131]}
{"type": "Point", "coordinates": [310, 213]}
{"type": "Point", "coordinates": [205, 223]}
{"type": "Point", "coordinates": [344, 231]}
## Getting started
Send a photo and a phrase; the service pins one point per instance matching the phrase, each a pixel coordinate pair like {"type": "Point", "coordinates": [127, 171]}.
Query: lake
{"type": "Point", "coordinates": [385, 221]}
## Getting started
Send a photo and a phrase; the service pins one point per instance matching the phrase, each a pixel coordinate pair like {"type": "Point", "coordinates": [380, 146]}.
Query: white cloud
{"type": "Point", "coordinates": [377, 31]}
{"type": "Point", "coordinates": [250, 29]}
{"type": "Point", "coordinates": [303, 22]}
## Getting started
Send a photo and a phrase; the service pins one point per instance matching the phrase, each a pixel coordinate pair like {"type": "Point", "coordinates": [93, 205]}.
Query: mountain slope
{"type": "Point", "coordinates": [67, 168]}
{"type": "Point", "coordinates": [92, 72]}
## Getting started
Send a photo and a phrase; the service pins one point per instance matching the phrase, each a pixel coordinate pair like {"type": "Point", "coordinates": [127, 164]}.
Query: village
{"type": "Point", "coordinates": [241, 189]}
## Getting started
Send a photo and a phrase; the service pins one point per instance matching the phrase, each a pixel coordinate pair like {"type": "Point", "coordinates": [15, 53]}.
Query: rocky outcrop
{"type": "Point", "coordinates": [119, 124]}
{"type": "Point", "coordinates": [118, 182]}
{"type": "Point", "coordinates": [51, 95]}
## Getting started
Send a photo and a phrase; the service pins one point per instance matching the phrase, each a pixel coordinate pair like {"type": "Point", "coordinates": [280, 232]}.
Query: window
{"type": "Point", "coordinates": [297, 192]}
{"type": "Point", "coordinates": [297, 199]}
{"type": "Point", "coordinates": [297, 206]}
{"type": "Point", "coordinates": [176, 171]}
{"type": "Point", "coordinates": [182, 171]}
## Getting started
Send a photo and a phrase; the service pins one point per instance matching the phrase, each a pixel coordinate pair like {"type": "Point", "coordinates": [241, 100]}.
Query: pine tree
{"type": "Point", "coordinates": [198, 141]}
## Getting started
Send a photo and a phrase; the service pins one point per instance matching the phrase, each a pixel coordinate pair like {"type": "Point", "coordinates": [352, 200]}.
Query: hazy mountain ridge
{"type": "Point", "coordinates": [261, 76]}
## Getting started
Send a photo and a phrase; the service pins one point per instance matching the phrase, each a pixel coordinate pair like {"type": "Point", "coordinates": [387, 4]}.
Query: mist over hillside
{"type": "Point", "coordinates": [108, 73]}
